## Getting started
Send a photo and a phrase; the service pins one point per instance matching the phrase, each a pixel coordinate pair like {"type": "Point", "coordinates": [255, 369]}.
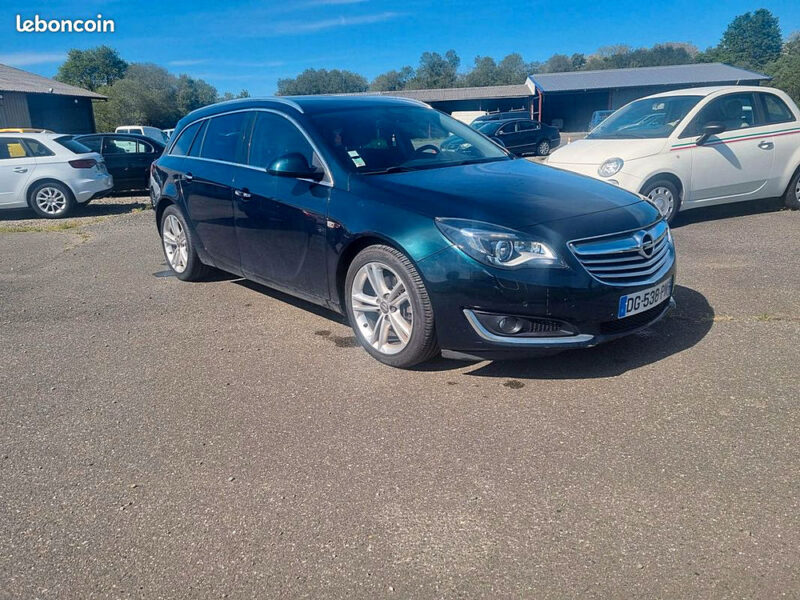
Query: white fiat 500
{"type": "Point", "coordinates": [696, 147]}
{"type": "Point", "coordinates": [49, 172]}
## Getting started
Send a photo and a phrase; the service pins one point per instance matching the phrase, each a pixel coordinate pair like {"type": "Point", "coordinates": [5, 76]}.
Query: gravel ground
{"type": "Point", "coordinates": [161, 439]}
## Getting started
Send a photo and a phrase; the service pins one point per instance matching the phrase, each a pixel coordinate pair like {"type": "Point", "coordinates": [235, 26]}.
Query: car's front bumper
{"type": "Point", "coordinates": [459, 287]}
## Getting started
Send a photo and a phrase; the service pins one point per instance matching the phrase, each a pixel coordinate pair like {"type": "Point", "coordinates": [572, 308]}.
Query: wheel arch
{"type": "Point", "coordinates": [33, 184]}
{"type": "Point", "coordinates": [162, 205]}
{"type": "Point", "coordinates": [671, 177]}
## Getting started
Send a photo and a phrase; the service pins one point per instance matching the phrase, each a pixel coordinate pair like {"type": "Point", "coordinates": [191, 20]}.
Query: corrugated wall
{"type": "Point", "coordinates": [14, 110]}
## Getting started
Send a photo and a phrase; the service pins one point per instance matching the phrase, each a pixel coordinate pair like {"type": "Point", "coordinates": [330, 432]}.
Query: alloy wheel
{"type": "Point", "coordinates": [382, 308]}
{"type": "Point", "coordinates": [176, 246]}
{"type": "Point", "coordinates": [664, 200]}
{"type": "Point", "coordinates": [544, 149]}
{"type": "Point", "coordinates": [51, 200]}
{"type": "Point", "coordinates": [797, 191]}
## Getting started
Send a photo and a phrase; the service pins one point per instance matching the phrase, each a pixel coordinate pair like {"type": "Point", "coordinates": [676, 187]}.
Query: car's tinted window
{"type": "Point", "coordinates": [37, 148]}
{"type": "Point", "coordinates": [734, 111]}
{"type": "Point", "coordinates": [507, 128]}
{"type": "Point", "coordinates": [121, 146]}
{"type": "Point", "coordinates": [184, 141]}
{"type": "Point", "coordinates": [775, 109]}
{"type": "Point", "coordinates": [72, 145]}
{"type": "Point", "coordinates": [223, 137]}
{"type": "Point", "coordinates": [94, 143]}
{"type": "Point", "coordinates": [274, 136]}
{"type": "Point", "coordinates": [526, 126]}
{"type": "Point", "coordinates": [198, 140]}
{"type": "Point", "coordinates": [12, 148]}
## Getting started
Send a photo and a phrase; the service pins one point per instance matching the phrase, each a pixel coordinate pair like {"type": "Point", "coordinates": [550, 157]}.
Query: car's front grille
{"type": "Point", "coordinates": [627, 259]}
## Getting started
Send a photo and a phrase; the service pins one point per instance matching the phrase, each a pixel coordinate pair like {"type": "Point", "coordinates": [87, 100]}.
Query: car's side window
{"type": "Point", "coordinates": [94, 143]}
{"type": "Point", "coordinates": [275, 136]}
{"type": "Point", "coordinates": [223, 138]}
{"type": "Point", "coordinates": [526, 126]}
{"type": "Point", "coordinates": [119, 146]}
{"type": "Point", "coordinates": [734, 111]}
{"type": "Point", "coordinates": [184, 141]}
{"type": "Point", "coordinates": [145, 148]}
{"type": "Point", "coordinates": [505, 129]}
{"type": "Point", "coordinates": [36, 148]}
{"type": "Point", "coordinates": [12, 148]}
{"type": "Point", "coordinates": [775, 109]}
{"type": "Point", "coordinates": [197, 145]}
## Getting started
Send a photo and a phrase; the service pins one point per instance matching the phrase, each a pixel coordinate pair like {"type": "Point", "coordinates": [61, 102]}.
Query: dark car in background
{"type": "Point", "coordinates": [501, 116]}
{"type": "Point", "coordinates": [356, 204]}
{"type": "Point", "coordinates": [521, 136]}
{"type": "Point", "coordinates": [128, 157]}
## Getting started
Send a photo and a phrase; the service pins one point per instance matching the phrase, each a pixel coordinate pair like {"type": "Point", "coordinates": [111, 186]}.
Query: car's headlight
{"type": "Point", "coordinates": [496, 246]}
{"type": "Point", "coordinates": [610, 167]}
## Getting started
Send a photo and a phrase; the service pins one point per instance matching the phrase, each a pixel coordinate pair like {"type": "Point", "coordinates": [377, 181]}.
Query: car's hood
{"type": "Point", "coordinates": [514, 193]}
{"type": "Point", "coordinates": [595, 152]}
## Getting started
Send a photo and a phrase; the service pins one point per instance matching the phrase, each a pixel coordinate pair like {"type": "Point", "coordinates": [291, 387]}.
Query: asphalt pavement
{"type": "Point", "coordinates": [162, 439]}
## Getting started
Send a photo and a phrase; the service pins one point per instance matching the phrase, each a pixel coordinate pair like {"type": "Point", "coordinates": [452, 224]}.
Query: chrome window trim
{"type": "Point", "coordinates": [326, 181]}
{"type": "Point", "coordinates": [487, 335]}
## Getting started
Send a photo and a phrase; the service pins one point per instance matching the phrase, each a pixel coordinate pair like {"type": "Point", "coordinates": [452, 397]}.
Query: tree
{"type": "Point", "coordinates": [92, 68]}
{"type": "Point", "coordinates": [557, 63]}
{"type": "Point", "coordinates": [578, 61]}
{"type": "Point", "coordinates": [752, 40]}
{"type": "Point", "coordinates": [484, 73]}
{"type": "Point", "coordinates": [436, 71]}
{"type": "Point", "coordinates": [322, 81]}
{"type": "Point", "coordinates": [149, 95]}
{"type": "Point", "coordinates": [232, 96]}
{"type": "Point", "coordinates": [392, 81]}
{"type": "Point", "coordinates": [514, 70]}
{"type": "Point", "coordinates": [785, 70]}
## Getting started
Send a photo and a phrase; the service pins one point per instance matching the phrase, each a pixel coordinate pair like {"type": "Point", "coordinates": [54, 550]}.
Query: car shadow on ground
{"type": "Point", "coordinates": [118, 204]}
{"type": "Point", "coordinates": [728, 211]}
{"type": "Point", "coordinates": [678, 331]}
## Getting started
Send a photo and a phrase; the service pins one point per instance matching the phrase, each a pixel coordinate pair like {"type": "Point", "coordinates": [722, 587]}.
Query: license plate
{"type": "Point", "coordinates": [645, 299]}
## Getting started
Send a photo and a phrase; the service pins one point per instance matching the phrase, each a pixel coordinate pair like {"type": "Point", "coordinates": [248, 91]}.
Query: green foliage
{"type": "Point", "coordinates": [92, 68]}
{"type": "Point", "coordinates": [322, 81]}
{"type": "Point", "coordinates": [392, 81]}
{"type": "Point", "coordinates": [623, 57]}
{"type": "Point", "coordinates": [436, 71]}
{"type": "Point", "coordinates": [785, 70]}
{"type": "Point", "coordinates": [752, 40]}
{"type": "Point", "coordinates": [149, 95]}
{"type": "Point", "coordinates": [231, 96]}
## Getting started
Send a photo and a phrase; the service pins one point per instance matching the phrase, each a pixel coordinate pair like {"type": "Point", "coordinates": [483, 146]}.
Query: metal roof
{"type": "Point", "coordinates": [695, 74]}
{"type": "Point", "coordinates": [465, 93]}
{"type": "Point", "coordinates": [17, 80]}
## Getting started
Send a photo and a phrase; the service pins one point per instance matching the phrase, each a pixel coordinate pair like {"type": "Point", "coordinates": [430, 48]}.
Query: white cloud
{"type": "Point", "coordinates": [293, 27]}
{"type": "Point", "coordinates": [23, 59]}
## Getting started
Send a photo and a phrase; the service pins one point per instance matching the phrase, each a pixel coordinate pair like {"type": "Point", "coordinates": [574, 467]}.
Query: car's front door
{"type": "Point", "coordinates": [508, 135]}
{"type": "Point", "coordinates": [17, 165]}
{"type": "Point", "coordinates": [281, 221]}
{"type": "Point", "coordinates": [207, 186]}
{"type": "Point", "coordinates": [528, 134]}
{"type": "Point", "coordinates": [735, 164]}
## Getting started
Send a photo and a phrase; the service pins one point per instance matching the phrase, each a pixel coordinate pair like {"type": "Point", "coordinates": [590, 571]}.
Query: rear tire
{"type": "Point", "coordinates": [543, 148]}
{"type": "Point", "coordinates": [180, 246]}
{"type": "Point", "coordinates": [51, 200]}
{"type": "Point", "coordinates": [389, 308]}
{"type": "Point", "coordinates": [665, 195]}
{"type": "Point", "coordinates": [792, 197]}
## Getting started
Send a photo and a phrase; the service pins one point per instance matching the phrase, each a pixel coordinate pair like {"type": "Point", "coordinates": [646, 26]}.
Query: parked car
{"type": "Point", "coordinates": [696, 147]}
{"type": "Point", "coordinates": [501, 116]}
{"type": "Point", "coordinates": [598, 117]}
{"type": "Point", "coordinates": [128, 157]}
{"type": "Point", "coordinates": [168, 133]}
{"type": "Point", "coordinates": [521, 136]}
{"type": "Point", "coordinates": [51, 173]}
{"type": "Point", "coordinates": [353, 203]}
{"type": "Point", "coordinates": [23, 130]}
{"type": "Point", "coordinates": [152, 132]}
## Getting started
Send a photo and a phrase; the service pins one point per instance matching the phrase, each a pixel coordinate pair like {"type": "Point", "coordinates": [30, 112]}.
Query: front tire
{"type": "Point", "coordinates": [180, 247]}
{"type": "Point", "coordinates": [389, 308]}
{"type": "Point", "coordinates": [52, 200]}
{"type": "Point", "coordinates": [792, 197]}
{"type": "Point", "coordinates": [665, 195]}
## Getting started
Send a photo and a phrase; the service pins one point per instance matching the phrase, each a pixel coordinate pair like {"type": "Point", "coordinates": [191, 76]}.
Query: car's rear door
{"type": "Point", "coordinates": [17, 165]}
{"type": "Point", "coordinates": [281, 221]}
{"type": "Point", "coordinates": [785, 135]}
{"type": "Point", "coordinates": [119, 153]}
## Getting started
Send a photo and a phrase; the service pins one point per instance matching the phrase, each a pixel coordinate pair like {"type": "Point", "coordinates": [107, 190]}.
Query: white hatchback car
{"type": "Point", "coordinates": [696, 147]}
{"type": "Point", "coordinates": [50, 172]}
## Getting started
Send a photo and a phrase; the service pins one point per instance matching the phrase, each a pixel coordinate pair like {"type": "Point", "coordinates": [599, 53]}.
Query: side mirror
{"type": "Point", "coordinates": [710, 129]}
{"type": "Point", "coordinates": [294, 165]}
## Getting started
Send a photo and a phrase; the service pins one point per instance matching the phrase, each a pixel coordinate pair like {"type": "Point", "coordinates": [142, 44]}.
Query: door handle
{"type": "Point", "coordinates": [188, 177]}
{"type": "Point", "coordinates": [20, 170]}
{"type": "Point", "coordinates": [765, 145]}
{"type": "Point", "coordinates": [244, 194]}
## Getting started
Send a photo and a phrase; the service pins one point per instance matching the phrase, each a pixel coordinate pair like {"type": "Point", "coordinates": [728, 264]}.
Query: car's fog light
{"type": "Point", "coordinates": [519, 326]}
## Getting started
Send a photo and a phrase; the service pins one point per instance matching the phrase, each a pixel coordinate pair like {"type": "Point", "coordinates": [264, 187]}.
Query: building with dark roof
{"type": "Point", "coordinates": [569, 99]}
{"type": "Point", "coordinates": [30, 100]}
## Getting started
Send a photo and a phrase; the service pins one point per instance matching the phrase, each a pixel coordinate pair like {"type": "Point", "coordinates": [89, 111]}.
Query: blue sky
{"type": "Point", "coordinates": [250, 45]}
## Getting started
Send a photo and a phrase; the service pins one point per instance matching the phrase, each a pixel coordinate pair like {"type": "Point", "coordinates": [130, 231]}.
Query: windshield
{"type": "Point", "coordinates": [646, 118]}
{"type": "Point", "coordinates": [385, 139]}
